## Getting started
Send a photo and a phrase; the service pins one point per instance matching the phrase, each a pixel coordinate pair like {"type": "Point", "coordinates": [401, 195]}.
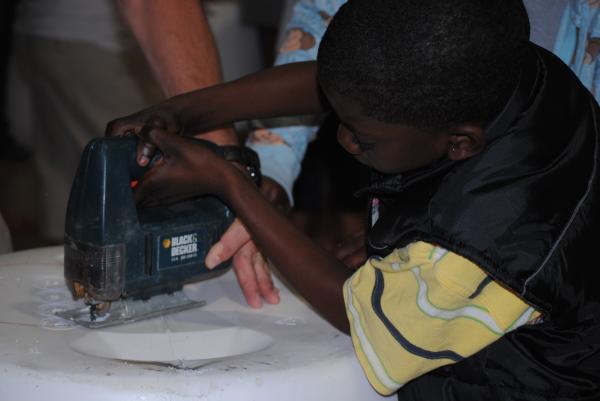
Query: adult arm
{"type": "Point", "coordinates": [177, 42]}
{"type": "Point", "coordinates": [179, 46]}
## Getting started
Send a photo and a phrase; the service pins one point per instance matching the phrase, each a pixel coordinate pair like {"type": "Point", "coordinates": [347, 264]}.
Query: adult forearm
{"type": "Point", "coordinates": [316, 274]}
{"type": "Point", "coordinates": [177, 42]}
{"type": "Point", "coordinates": [280, 91]}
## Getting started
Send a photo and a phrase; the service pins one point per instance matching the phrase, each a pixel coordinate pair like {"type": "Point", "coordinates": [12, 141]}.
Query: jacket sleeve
{"type": "Point", "coordinates": [423, 307]}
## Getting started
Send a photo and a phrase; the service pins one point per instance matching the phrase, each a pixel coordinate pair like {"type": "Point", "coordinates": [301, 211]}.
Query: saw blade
{"type": "Point", "coordinates": [127, 310]}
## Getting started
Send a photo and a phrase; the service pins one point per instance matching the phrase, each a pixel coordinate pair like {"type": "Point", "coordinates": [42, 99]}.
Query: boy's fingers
{"type": "Point", "coordinates": [156, 136]}
{"type": "Point", "coordinates": [351, 251]}
{"type": "Point", "coordinates": [348, 245]}
{"type": "Point", "coordinates": [144, 191]}
{"type": "Point", "coordinates": [121, 127]}
{"type": "Point", "coordinates": [151, 137]}
{"type": "Point", "coordinates": [145, 151]}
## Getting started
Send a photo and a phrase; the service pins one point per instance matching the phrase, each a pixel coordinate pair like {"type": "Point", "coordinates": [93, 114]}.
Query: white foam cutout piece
{"type": "Point", "coordinates": [181, 344]}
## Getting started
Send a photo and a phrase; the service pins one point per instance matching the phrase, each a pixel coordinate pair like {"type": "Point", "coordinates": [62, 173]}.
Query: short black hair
{"type": "Point", "coordinates": [428, 63]}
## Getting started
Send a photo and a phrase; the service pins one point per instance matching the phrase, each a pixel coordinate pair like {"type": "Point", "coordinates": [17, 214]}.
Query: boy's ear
{"type": "Point", "coordinates": [465, 140]}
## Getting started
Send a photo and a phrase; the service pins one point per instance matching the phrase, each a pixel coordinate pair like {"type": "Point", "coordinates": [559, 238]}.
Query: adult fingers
{"type": "Point", "coordinates": [231, 241]}
{"type": "Point", "coordinates": [254, 276]}
{"type": "Point", "coordinates": [266, 287]}
{"type": "Point", "coordinates": [246, 276]}
{"type": "Point", "coordinates": [123, 126]}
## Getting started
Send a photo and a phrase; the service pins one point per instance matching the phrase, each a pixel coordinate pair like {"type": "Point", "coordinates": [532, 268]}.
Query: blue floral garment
{"type": "Point", "coordinates": [281, 150]}
{"type": "Point", "coordinates": [578, 41]}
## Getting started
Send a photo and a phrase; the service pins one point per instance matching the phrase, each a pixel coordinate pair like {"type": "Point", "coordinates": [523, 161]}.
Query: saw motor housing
{"type": "Point", "coordinates": [115, 250]}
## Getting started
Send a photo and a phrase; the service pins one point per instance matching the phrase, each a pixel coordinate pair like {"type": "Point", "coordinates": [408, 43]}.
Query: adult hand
{"type": "Point", "coordinates": [179, 46]}
{"type": "Point", "coordinates": [351, 251]}
{"type": "Point", "coordinates": [252, 271]}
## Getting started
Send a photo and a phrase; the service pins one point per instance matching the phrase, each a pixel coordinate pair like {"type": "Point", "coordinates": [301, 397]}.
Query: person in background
{"type": "Point", "coordinates": [75, 65]}
{"type": "Point", "coordinates": [578, 41]}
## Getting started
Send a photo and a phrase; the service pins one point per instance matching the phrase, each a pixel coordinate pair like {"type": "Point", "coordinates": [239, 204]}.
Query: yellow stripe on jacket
{"type": "Point", "coordinates": [422, 307]}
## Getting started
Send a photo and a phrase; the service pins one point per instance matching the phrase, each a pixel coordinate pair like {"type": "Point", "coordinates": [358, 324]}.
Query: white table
{"type": "Point", "coordinates": [282, 352]}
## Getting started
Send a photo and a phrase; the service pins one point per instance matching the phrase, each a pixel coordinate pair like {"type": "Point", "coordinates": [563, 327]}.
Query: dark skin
{"type": "Point", "coordinates": [286, 90]}
{"type": "Point", "coordinates": [250, 267]}
{"type": "Point", "coordinates": [189, 168]}
{"type": "Point", "coordinates": [351, 250]}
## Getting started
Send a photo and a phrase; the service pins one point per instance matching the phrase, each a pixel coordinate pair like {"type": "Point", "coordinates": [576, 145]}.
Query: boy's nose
{"type": "Point", "coordinates": [345, 138]}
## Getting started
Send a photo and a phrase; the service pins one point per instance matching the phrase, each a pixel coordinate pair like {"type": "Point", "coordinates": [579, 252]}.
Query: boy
{"type": "Point", "coordinates": [484, 208]}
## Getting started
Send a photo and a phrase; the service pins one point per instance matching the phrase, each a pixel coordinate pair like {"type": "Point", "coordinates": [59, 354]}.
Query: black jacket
{"type": "Point", "coordinates": [526, 210]}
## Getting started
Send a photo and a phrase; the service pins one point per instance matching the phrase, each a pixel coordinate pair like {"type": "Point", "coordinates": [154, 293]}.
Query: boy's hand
{"type": "Point", "coordinates": [351, 251]}
{"type": "Point", "coordinates": [162, 116]}
{"type": "Point", "coordinates": [186, 168]}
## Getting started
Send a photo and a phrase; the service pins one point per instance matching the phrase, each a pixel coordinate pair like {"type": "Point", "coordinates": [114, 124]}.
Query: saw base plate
{"type": "Point", "coordinates": [127, 310]}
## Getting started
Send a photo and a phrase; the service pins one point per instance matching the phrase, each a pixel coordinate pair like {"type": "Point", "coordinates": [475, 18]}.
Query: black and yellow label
{"type": "Point", "coordinates": [178, 249]}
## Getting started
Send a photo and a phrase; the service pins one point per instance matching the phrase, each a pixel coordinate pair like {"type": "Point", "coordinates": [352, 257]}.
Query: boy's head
{"type": "Point", "coordinates": [421, 65]}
